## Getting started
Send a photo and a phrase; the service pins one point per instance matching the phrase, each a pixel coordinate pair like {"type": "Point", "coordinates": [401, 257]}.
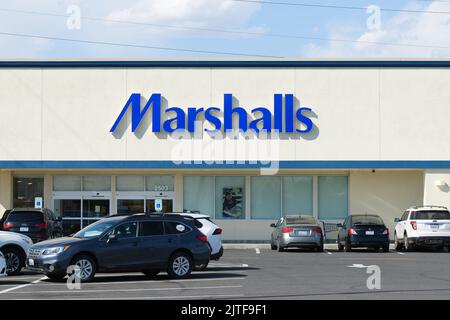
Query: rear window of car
{"type": "Point", "coordinates": [430, 215]}
{"type": "Point", "coordinates": [367, 220]}
{"type": "Point", "coordinates": [25, 216]}
{"type": "Point", "coordinates": [301, 220]}
{"type": "Point", "coordinates": [175, 228]}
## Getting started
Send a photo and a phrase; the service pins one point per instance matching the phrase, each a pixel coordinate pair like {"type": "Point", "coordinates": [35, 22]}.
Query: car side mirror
{"type": "Point", "coordinates": [111, 237]}
{"type": "Point", "coordinates": [273, 225]}
{"type": "Point", "coordinates": [397, 220]}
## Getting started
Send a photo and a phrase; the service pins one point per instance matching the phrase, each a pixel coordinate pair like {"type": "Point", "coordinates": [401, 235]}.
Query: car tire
{"type": "Point", "coordinates": [408, 246]}
{"type": "Point", "coordinates": [180, 265]}
{"type": "Point", "coordinates": [15, 261]}
{"type": "Point", "coordinates": [340, 246]}
{"type": "Point", "coordinates": [397, 245]}
{"type": "Point", "coordinates": [272, 246]}
{"type": "Point", "coordinates": [87, 267]}
{"type": "Point", "coordinates": [55, 276]}
{"type": "Point", "coordinates": [386, 248]}
{"type": "Point", "coordinates": [348, 246]}
{"type": "Point", "coordinates": [320, 248]}
{"type": "Point", "coordinates": [151, 273]}
{"type": "Point", "coordinates": [280, 247]}
{"type": "Point", "coordinates": [201, 267]}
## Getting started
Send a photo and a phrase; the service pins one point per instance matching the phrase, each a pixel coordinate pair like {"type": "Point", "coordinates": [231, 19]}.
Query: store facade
{"type": "Point", "coordinates": [95, 138]}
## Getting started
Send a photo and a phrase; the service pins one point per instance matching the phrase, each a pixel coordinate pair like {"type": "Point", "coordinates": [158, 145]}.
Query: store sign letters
{"type": "Point", "coordinates": [283, 117]}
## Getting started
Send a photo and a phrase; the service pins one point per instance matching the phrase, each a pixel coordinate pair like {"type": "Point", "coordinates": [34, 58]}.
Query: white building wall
{"type": "Point", "coordinates": [436, 189]}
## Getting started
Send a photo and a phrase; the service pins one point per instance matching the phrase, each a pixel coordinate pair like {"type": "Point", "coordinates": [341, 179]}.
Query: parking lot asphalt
{"type": "Point", "coordinates": [264, 274]}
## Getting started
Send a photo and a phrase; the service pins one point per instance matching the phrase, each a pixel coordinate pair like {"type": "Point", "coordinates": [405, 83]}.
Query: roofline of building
{"type": "Point", "coordinates": [224, 63]}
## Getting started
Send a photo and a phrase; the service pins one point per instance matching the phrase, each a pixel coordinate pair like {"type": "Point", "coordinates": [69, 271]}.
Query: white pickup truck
{"type": "Point", "coordinates": [423, 226]}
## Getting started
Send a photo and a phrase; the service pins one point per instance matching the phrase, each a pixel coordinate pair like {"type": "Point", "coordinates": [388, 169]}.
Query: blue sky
{"type": "Point", "coordinates": [419, 33]}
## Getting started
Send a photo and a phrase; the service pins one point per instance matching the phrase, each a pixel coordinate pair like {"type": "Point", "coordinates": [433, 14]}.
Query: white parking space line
{"type": "Point", "coordinates": [127, 290]}
{"type": "Point", "coordinates": [218, 296]}
{"type": "Point", "coordinates": [156, 281]}
{"type": "Point", "coordinates": [227, 265]}
{"type": "Point", "coordinates": [400, 253]}
{"type": "Point", "coordinates": [22, 286]}
{"type": "Point", "coordinates": [327, 252]}
{"type": "Point", "coordinates": [257, 251]}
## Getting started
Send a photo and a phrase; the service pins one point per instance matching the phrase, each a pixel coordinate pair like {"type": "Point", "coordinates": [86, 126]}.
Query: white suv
{"type": "Point", "coordinates": [14, 247]}
{"type": "Point", "coordinates": [423, 226]}
{"type": "Point", "coordinates": [2, 265]}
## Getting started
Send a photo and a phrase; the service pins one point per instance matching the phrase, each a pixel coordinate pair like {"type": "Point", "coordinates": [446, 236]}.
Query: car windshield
{"type": "Point", "coordinates": [95, 229]}
{"type": "Point", "coordinates": [25, 216]}
{"type": "Point", "coordinates": [301, 220]}
{"type": "Point", "coordinates": [372, 220]}
{"type": "Point", "coordinates": [430, 215]}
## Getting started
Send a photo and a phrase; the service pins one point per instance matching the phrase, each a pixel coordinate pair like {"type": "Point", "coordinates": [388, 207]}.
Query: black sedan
{"type": "Point", "coordinates": [363, 231]}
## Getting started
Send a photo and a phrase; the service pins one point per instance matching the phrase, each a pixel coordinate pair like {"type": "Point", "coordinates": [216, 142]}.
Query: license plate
{"type": "Point", "coordinates": [24, 229]}
{"type": "Point", "coordinates": [370, 233]}
{"type": "Point", "coordinates": [434, 226]}
{"type": "Point", "coordinates": [31, 262]}
{"type": "Point", "coordinates": [302, 233]}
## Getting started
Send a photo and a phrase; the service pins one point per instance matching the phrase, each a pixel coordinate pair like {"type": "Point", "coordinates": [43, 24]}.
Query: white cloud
{"type": "Point", "coordinates": [194, 13]}
{"type": "Point", "coordinates": [428, 29]}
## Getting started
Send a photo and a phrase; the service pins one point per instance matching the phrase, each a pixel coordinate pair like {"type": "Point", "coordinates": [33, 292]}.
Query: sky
{"type": "Point", "coordinates": [224, 28]}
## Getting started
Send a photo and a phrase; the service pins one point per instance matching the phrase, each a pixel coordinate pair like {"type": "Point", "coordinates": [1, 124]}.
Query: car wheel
{"type": "Point", "coordinates": [320, 248]}
{"type": "Point", "coordinates": [151, 273]}
{"type": "Point", "coordinates": [348, 246]}
{"type": "Point", "coordinates": [340, 246]}
{"type": "Point", "coordinates": [386, 248]}
{"type": "Point", "coordinates": [201, 267]}
{"type": "Point", "coordinates": [14, 261]}
{"type": "Point", "coordinates": [397, 244]}
{"type": "Point", "coordinates": [180, 265]}
{"type": "Point", "coordinates": [280, 248]}
{"type": "Point", "coordinates": [272, 246]}
{"type": "Point", "coordinates": [55, 276]}
{"type": "Point", "coordinates": [87, 267]}
{"type": "Point", "coordinates": [408, 246]}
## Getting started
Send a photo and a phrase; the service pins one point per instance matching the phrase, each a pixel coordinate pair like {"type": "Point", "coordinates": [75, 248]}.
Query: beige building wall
{"type": "Point", "coordinates": [387, 193]}
{"type": "Point", "coordinates": [436, 189]}
{"type": "Point", "coordinates": [5, 191]}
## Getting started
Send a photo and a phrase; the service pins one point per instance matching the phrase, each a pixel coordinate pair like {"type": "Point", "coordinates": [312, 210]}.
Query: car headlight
{"type": "Point", "coordinates": [54, 251]}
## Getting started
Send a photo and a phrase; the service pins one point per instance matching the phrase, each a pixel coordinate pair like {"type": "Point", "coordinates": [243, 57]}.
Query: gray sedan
{"type": "Point", "coordinates": [302, 231]}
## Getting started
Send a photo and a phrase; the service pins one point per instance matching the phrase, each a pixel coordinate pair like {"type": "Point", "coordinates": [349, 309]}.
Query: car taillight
{"type": "Point", "coordinates": [316, 230]}
{"type": "Point", "coordinates": [414, 225]}
{"type": "Point", "coordinates": [202, 238]}
{"type": "Point", "coordinates": [7, 225]}
{"type": "Point", "coordinates": [217, 231]}
{"type": "Point", "coordinates": [41, 225]}
{"type": "Point", "coordinates": [287, 230]}
{"type": "Point", "coordinates": [352, 232]}
{"type": "Point", "coordinates": [386, 232]}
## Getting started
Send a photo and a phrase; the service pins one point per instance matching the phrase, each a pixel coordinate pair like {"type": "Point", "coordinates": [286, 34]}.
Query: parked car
{"type": "Point", "coordinates": [363, 231]}
{"type": "Point", "coordinates": [3, 218]}
{"type": "Point", "coordinates": [299, 231]}
{"type": "Point", "coordinates": [423, 226]}
{"type": "Point", "coordinates": [147, 243]}
{"type": "Point", "coordinates": [2, 265]}
{"type": "Point", "coordinates": [14, 247]}
{"type": "Point", "coordinates": [38, 224]}
{"type": "Point", "coordinates": [212, 231]}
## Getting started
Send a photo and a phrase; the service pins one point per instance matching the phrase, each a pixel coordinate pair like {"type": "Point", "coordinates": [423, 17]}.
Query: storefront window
{"type": "Point", "coordinates": [333, 197]}
{"type": "Point", "coordinates": [160, 183]}
{"type": "Point", "coordinates": [266, 197]}
{"type": "Point", "coordinates": [96, 183]}
{"type": "Point", "coordinates": [70, 211]}
{"type": "Point", "coordinates": [130, 183]}
{"type": "Point", "coordinates": [297, 195]}
{"type": "Point", "coordinates": [167, 205]}
{"type": "Point", "coordinates": [198, 194]}
{"type": "Point", "coordinates": [66, 183]}
{"type": "Point", "coordinates": [26, 189]}
{"type": "Point", "coordinates": [130, 206]}
{"type": "Point", "coordinates": [95, 208]}
{"type": "Point", "coordinates": [230, 202]}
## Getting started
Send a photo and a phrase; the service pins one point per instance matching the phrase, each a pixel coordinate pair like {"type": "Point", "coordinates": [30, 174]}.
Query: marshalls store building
{"type": "Point", "coordinates": [244, 141]}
